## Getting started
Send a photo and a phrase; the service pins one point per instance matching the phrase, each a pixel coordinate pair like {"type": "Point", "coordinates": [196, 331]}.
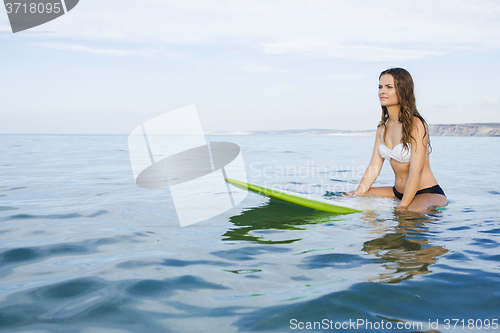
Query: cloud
{"type": "Point", "coordinates": [356, 52]}
{"type": "Point", "coordinates": [363, 30]}
{"type": "Point", "coordinates": [285, 87]}
{"type": "Point", "coordinates": [492, 103]}
{"type": "Point", "coordinates": [348, 76]}
{"type": "Point", "coordinates": [484, 110]}
{"type": "Point", "coordinates": [256, 68]}
{"type": "Point", "coordinates": [148, 53]}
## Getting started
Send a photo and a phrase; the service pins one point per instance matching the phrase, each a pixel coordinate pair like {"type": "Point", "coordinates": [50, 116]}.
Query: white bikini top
{"type": "Point", "coordinates": [398, 152]}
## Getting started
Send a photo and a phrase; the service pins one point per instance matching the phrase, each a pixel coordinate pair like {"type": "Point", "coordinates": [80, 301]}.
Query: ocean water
{"type": "Point", "coordinates": [84, 249]}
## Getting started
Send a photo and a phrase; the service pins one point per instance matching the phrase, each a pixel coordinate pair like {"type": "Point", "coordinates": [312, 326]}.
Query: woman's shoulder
{"type": "Point", "coordinates": [380, 130]}
{"type": "Point", "coordinates": [419, 127]}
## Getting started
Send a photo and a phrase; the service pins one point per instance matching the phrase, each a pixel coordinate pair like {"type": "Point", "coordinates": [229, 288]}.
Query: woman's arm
{"type": "Point", "coordinates": [373, 169]}
{"type": "Point", "coordinates": [418, 152]}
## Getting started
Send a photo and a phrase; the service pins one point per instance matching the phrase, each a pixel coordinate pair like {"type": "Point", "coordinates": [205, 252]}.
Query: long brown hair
{"type": "Point", "coordinates": [403, 83]}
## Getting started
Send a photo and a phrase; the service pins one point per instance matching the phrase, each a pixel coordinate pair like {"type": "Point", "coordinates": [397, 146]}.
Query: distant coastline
{"type": "Point", "coordinates": [311, 131]}
{"type": "Point", "coordinates": [480, 129]}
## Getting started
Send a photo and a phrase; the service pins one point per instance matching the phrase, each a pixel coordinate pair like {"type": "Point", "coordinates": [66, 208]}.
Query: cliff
{"type": "Point", "coordinates": [486, 129]}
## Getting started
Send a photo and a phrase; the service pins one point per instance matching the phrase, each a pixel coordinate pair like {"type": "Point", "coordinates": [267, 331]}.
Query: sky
{"type": "Point", "coordinates": [107, 66]}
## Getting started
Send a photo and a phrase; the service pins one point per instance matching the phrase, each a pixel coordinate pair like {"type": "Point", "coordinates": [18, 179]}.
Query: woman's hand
{"type": "Point", "coordinates": [402, 207]}
{"type": "Point", "coordinates": [360, 193]}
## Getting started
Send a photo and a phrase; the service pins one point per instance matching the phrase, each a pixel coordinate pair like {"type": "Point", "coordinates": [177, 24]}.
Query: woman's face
{"type": "Point", "coordinates": [386, 91]}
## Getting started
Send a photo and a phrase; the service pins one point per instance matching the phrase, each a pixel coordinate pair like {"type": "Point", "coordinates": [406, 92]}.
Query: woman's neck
{"type": "Point", "coordinates": [393, 112]}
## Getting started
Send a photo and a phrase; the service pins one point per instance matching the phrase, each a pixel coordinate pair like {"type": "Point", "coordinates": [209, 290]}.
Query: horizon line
{"type": "Point", "coordinates": [250, 132]}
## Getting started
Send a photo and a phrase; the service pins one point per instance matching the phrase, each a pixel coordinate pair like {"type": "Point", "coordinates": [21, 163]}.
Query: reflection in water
{"type": "Point", "coordinates": [406, 251]}
{"type": "Point", "coordinates": [275, 215]}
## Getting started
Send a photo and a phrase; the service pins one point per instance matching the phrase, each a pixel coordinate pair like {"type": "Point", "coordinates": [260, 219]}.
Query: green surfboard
{"type": "Point", "coordinates": [294, 198]}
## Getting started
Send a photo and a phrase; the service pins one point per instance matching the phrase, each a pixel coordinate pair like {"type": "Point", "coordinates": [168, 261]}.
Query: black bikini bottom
{"type": "Point", "coordinates": [433, 189]}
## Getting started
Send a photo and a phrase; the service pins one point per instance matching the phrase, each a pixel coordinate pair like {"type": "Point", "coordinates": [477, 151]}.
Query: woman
{"type": "Point", "coordinates": [402, 138]}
